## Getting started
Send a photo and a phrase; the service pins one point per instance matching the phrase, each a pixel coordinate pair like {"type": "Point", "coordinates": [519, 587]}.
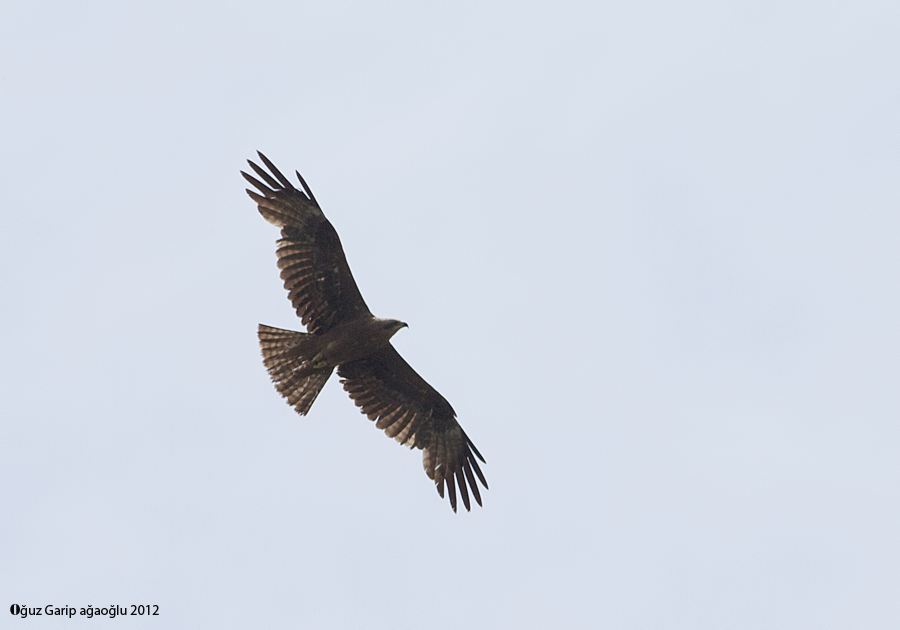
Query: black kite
{"type": "Point", "coordinates": [343, 333]}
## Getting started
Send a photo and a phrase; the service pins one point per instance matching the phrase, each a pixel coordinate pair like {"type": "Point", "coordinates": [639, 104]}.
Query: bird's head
{"type": "Point", "coordinates": [391, 326]}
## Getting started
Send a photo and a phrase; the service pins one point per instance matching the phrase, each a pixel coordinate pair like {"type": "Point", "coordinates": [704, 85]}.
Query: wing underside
{"type": "Point", "coordinates": [313, 266]}
{"type": "Point", "coordinates": [412, 412]}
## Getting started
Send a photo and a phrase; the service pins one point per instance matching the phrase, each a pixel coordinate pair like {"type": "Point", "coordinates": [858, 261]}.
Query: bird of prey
{"type": "Point", "coordinates": [342, 333]}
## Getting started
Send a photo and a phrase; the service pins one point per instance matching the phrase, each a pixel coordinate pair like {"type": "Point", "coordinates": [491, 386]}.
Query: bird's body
{"type": "Point", "coordinates": [342, 333]}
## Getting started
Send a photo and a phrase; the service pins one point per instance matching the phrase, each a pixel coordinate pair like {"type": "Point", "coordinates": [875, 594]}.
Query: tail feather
{"type": "Point", "coordinates": [287, 356]}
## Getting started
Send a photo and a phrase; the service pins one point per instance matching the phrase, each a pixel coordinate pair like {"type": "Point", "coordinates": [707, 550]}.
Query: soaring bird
{"type": "Point", "coordinates": [342, 333]}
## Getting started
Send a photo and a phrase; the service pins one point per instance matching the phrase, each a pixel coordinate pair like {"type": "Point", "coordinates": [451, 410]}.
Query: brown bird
{"type": "Point", "coordinates": [342, 333]}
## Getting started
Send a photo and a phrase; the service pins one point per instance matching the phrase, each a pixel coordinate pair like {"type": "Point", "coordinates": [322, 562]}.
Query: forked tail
{"type": "Point", "coordinates": [287, 355]}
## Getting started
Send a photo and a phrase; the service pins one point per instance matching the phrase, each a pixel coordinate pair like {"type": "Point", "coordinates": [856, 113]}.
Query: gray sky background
{"type": "Point", "coordinates": [648, 251]}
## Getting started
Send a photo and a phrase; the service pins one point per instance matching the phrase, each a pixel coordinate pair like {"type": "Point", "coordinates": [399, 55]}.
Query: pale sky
{"type": "Point", "coordinates": [649, 251]}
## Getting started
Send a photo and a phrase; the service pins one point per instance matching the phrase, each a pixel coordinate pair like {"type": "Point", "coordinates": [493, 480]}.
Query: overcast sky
{"type": "Point", "coordinates": [648, 250]}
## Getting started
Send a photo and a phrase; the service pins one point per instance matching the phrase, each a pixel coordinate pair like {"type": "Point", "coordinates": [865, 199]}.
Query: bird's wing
{"type": "Point", "coordinates": [310, 256]}
{"type": "Point", "coordinates": [412, 412]}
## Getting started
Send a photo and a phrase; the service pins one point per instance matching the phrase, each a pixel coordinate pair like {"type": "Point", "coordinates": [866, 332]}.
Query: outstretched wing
{"type": "Point", "coordinates": [310, 256]}
{"type": "Point", "coordinates": [412, 412]}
